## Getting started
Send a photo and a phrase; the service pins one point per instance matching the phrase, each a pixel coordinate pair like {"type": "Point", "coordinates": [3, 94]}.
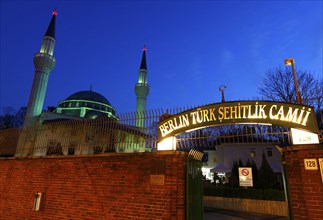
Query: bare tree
{"type": "Point", "coordinates": [278, 85]}
{"type": "Point", "coordinates": [7, 119]}
{"type": "Point", "coordinates": [12, 118]}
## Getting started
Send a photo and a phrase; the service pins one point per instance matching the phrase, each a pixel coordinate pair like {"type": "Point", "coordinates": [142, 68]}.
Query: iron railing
{"type": "Point", "coordinates": [104, 135]}
{"type": "Point", "coordinates": [194, 190]}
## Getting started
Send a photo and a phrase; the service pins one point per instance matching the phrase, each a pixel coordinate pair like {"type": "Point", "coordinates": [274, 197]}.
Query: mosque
{"type": "Point", "coordinates": [85, 122]}
{"type": "Point", "coordinates": [81, 104]}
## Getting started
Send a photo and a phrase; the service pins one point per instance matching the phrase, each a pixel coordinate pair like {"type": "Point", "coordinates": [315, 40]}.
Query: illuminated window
{"type": "Point", "coordinates": [269, 152]}
{"type": "Point", "coordinates": [253, 152]}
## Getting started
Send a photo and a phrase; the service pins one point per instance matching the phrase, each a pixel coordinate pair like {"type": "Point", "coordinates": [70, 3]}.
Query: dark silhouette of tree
{"type": "Point", "coordinates": [266, 176]}
{"type": "Point", "coordinates": [278, 85]}
{"type": "Point", "coordinates": [240, 164]}
{"type": "Point", "coordinates": [11, 118]}
{"type": "Point", "coordinates": [254, 170]}
{"type": "Point", "coordinates": [248, 163]}
{"type": "Point", "coordinates": [318, 100]}
{"type": "Point", "coordinates": [319, 116]}
{"type": "Point", "coordinates": [254, 173]}
{"type": "Point", "coordinates": [234, 178]}
{"type": "Point", "coordinates": [7, 119]}
{"type": "Point", "coordinates": [19, 117]}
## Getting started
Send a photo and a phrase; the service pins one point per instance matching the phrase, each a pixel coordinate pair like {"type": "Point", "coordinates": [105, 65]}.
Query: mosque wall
{"type": "Point", "coordinates": [108, 186]}
{"type": "Point", "coordinates": [76, 137]}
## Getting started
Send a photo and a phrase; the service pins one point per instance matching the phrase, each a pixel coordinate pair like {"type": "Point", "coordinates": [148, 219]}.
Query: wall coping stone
{"type": "Point", "coordinates": [166, 152]}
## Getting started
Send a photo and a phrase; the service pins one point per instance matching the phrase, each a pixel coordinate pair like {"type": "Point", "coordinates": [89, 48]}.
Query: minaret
{"type": "Point", "coordinates": [44, 63]}
{"type": "Point", "coordinates": [142, 90]}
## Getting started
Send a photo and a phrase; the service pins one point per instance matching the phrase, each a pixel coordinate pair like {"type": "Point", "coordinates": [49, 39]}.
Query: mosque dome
{"type": "Point", "coordinates": [89, 95]}
{"type": "Point", "coordinates": [86, 104]}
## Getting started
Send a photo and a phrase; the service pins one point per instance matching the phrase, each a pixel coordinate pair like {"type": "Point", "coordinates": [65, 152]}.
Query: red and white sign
{"type": "Point", "coordinates": [245, 176]}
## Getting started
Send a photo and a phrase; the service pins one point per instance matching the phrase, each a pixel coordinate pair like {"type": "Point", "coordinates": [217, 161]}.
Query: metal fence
{"type": "Point", "coordinates": [194, 190]}
{"type": "Point", "coordinates": [104, 135]}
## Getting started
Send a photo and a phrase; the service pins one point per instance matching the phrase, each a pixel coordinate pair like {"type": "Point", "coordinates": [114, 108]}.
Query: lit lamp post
{"type": "Point", "coordinates": [291, 62]}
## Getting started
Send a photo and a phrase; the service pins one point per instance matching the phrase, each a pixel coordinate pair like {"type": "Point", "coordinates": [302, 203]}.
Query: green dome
{"type": "Point", "coordinates": [86, 104]}
{"type": "Point", "coordinates": [90, 96]}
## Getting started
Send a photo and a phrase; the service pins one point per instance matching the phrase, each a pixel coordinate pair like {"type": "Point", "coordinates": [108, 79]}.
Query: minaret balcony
{"type": "Point", "coordinates": [142, 90]}
{"type": "Point", "coordinates": [142, 85]}
{"type": "Point", "coordinates": [44, 62]}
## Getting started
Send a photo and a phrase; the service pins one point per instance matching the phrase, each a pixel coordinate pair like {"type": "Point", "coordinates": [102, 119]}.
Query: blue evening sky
{"type": "Point", "coordinates": [193, 47]}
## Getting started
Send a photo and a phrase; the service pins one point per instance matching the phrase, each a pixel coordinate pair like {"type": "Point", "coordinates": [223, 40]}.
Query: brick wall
{"type": "Point", "coordinates": [306, 187]}
{"type": "Point", "coordinates": [114, 186]}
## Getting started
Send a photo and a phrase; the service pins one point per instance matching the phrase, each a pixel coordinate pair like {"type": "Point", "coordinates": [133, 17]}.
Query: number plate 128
{"type": "Point", "coordinates": [310, 164]}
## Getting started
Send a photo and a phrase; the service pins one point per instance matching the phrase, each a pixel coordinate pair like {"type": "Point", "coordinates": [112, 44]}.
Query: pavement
{"type": "Point", "coordinates": [223, 214]}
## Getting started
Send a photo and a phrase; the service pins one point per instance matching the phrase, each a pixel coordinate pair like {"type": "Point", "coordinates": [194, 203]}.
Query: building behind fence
{"type": "Point", "coordinates": [104, 135]}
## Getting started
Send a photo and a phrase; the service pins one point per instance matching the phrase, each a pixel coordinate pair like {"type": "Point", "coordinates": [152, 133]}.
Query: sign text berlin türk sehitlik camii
{"type": "Point", "coordinates": [262, 112]}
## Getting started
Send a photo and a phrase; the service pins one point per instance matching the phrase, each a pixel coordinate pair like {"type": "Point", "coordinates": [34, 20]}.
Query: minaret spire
{"type": "Point", "coordinates": [44, 63]}
{"type": "Point", "coordinates": [143, 64]}
{"type": "Point", "coordinates": [51, 28]}
{"type": "Point", "coordinates": [142, 90]}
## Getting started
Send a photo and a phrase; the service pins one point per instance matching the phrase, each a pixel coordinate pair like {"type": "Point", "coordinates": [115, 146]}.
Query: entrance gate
{"type": "Point", "coordinates": [194, 190]}
{"type": "Point", "coordinates": [301, 119]}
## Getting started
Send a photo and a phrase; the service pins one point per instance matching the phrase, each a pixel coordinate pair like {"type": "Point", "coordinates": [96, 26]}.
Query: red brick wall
{"type": "Point", "coordinates": [306, 187]}
{"type": "Point", "coordinates": [116, 186]}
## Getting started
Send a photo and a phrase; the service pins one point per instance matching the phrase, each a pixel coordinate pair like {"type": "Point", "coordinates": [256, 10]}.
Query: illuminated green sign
{"type": "Point", "coordinates": [244, 112]}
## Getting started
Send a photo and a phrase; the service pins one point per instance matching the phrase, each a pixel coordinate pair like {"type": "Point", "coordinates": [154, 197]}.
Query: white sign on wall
{"type": "Point", "coordinates": [245, 176]}
{"type": "Point", "coordinates": [310, 164]}
{"type": "Point", "coordinates": [304, 137]}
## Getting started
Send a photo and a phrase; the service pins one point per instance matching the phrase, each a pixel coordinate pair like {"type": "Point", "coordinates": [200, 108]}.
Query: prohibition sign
{"type": "Point", "coordinates": [245, 172]}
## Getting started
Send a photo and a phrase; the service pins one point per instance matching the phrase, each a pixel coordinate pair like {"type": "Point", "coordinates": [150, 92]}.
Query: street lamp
{"type": "Point", "coordinates": [291, 62]}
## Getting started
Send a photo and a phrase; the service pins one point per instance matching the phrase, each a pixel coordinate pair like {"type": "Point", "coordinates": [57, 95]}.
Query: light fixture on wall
{"type": "Point", "coordinates": [38, 201]}
{"type": "Point", "coordinates": [167, 144]}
